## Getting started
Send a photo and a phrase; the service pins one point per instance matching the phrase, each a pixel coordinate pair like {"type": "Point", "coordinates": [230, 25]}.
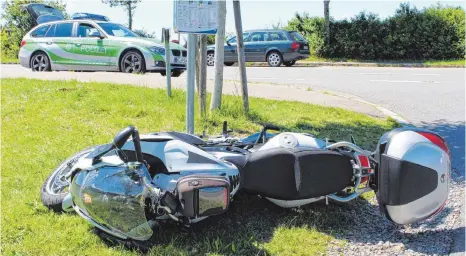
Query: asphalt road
{"type": "Point", "coordinates": [427, 97]}
{"type": "Point", "coordinates": [431, 97]}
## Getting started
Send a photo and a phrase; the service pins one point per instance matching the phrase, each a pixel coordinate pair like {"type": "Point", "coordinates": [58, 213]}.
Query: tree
{"type": "Point", "coordinates": [327, 21]}
{"type": "Point", "coordinates": [128, 5]}
{"type": "Point", "coordinates": [216, 101]}
{"type": "Point", "coordinates": [18, 23]}
{"type": "Point", "coordinates": [241, 57]}
{"type": "Point", "coordinates": [144, 33]}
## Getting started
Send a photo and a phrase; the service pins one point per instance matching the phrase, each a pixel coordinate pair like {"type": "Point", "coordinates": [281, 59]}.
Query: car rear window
{"type": "Point", "coordinates": [60, 30]}
{"type": "Point", "coordinates": [40, 32]}
{"type": "Point", "coordinates": [295, 36]}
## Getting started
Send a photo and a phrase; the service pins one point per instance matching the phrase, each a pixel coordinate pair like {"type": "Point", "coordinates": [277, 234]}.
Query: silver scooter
{"type": "Point", "coordinates": [125, 188]}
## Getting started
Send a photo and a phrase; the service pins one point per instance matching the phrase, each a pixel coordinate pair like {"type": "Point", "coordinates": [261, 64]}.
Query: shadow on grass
{"type": "Point", "coordinates": [252, 223]}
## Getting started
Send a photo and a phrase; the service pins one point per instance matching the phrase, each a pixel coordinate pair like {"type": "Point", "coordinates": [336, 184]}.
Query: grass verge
{"type": "Point", "coordinates": [427, 63]}
{"type": "Point", "coordinates": [44, 122]}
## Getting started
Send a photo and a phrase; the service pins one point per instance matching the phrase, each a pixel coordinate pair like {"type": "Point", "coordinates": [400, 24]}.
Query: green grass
{"type": "Point", "coordinates": [44, 122]}
{"type": "Point", "coordinates": [428, 63]}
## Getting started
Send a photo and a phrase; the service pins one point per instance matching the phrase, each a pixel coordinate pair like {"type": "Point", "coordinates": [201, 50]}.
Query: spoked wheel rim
{"type": "Point", "coordinates": [274, 59]}
{"type": "Point", "coordinates": [39, 63]}
{"type": "Point", "coordinates": [58, 183]}
{"type": "Point", "coordinates": [132, 63]}
{"type": "Point", "coordinates": [210, 59]}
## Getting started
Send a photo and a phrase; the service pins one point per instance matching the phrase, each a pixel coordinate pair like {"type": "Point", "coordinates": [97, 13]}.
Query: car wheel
{"type": "Point", "coordinates": [274, 59]}
{"type": "Point", "coordinates": [40, 62]}
{"type": "Point", "coordinates": [177, 73]}
{"type": "Point", "coordinates": [229, 63]}
{"type": "Point", "coordinates": [133, 62]}
{"type": "Point", "coordinates": [210, 58]}
{"type": "Point", "coordinates": [289, 63]}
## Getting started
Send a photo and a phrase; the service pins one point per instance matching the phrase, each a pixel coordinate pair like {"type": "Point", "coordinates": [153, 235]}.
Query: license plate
{"type": "Point", "coordinates": [180, 59]}
{"type": "Point", "coordinates": [306, 47]}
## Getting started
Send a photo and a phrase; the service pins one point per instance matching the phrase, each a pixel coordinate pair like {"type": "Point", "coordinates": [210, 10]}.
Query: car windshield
{"type": "Point", "coordinates": [233, 39]}
{"type": "Point", "coordinates": [296, 36]}
{"type": "Point", "coordinates": [114, 29]}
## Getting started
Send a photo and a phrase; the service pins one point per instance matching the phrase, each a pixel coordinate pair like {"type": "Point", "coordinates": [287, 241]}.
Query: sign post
{"type": "Point", "coordinates": [193, 17]}
{"type": "Point", "coordinates": [168, 69]}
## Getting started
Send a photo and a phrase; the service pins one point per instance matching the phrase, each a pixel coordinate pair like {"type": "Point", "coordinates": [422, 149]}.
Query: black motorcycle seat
{"type": "Point", "coordinates": [290, 174]}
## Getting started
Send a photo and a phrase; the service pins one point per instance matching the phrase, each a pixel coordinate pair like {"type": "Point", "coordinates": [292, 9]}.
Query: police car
{"type": "Point", "coordinates": [90, 42]}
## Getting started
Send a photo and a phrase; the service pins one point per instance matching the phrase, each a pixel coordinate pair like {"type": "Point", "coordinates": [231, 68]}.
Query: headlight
{"type": "Point", "coordinates": [157, 50]}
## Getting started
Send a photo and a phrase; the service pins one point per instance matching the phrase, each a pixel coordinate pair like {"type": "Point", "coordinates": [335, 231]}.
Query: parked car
{"type": "Point", "coordinates": [272, 46]}
{"type": "Point", "coordinates": [90, 43]}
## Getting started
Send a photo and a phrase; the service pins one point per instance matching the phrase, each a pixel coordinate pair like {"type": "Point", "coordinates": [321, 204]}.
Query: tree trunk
{"type": "Point", "coordinates": [241, 57]}
{"type": "Point", "coordinates": [327, 21]}
{"type": "Point", "coordinates": [198, 81]}
{"type": "Point", "coordinates": [130, 16]}
{"type": "Point", "coordinates": [216, 101]}
{"type": "Point", "coordinates": [203, 75]}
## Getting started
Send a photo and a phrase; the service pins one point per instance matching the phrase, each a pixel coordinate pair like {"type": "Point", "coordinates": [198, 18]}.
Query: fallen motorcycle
{"type": "Point", "coordinates": [126, 187]}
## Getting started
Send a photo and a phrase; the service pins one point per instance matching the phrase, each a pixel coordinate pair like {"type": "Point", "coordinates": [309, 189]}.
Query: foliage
{"type": "Point", "coordinates": [18, 23]}
{"type": "Point", "coordinates": [437, 32]}
{"type": "Point", "coordinates": [144, 33]}
{"type": "Point", "coordinates": [128, 5]}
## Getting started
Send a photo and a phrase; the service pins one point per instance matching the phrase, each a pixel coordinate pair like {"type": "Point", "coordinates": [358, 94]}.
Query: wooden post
{"type": "Point", "coordinates": [241, 57]}
{"type": "Point", "coordinates": [216, 100]}
{"type": "Point", "coordinates": [203, 75]}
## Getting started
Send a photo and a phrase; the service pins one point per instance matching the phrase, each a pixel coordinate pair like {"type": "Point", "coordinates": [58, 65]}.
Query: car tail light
{"type": "Point", "coordinates": [295, 46]}
{"type": "Point", "coordinates": [436, 140]}
{"type": "Point", "coordinates": [22, 43]}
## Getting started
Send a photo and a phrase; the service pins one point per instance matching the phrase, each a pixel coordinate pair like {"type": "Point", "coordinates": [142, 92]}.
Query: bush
{"type": "Point", "coordinates": [437, 32]}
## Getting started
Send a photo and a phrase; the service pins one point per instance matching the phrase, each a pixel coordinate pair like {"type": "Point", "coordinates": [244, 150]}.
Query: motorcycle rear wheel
{"type": "Point", "coordinates": [55, 188]}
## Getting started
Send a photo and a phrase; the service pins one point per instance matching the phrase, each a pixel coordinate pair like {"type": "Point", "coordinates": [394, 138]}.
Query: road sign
{"type": "Point", "coordinates": [195, 16]}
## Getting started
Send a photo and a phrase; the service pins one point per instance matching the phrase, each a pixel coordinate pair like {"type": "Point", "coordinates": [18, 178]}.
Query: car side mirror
{"type": "Point", "coordinates": [96, 34]}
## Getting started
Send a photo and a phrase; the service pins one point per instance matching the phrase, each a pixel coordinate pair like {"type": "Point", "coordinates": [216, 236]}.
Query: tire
{"type": "Point", "coordinates": [53, 200]}
{"type": "Point", "coordinates": [229, 63]}
{"type": "Point", "coordinates": [289, 63]}
{"type": "Point", "coordinates": [177, 73]}
{"type": "Point", "coordinates": [40, 62]}
{"type": "Point", "coordinates": [210, 58]}
{"type": "Point", "coordinates": [133, 62]}
{"type": "Point", "coordinates": [174, 73]}
{"type": "Point", "coordinates": [274, 59]}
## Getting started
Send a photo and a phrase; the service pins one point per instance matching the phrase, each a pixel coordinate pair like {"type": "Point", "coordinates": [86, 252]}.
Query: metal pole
{"type": "Point", "coordinates": [192, 42]}
{"type": "Point", "coordinates": [168, 69]}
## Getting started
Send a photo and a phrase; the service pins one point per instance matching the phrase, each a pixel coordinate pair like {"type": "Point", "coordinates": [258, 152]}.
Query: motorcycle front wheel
{"type": "Point", "coordinates": [56, 187]}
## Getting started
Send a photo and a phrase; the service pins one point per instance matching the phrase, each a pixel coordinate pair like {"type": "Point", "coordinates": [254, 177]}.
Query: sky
{"type": "Point", "coordinates": [153, 15]}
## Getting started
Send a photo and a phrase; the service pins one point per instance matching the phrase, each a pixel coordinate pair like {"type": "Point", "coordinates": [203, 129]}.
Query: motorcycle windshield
{"type": "Point", "coordinates": [115, 198]}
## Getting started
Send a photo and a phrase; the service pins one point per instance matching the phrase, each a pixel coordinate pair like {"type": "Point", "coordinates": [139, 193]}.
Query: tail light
{"type": "Point", "coordinates": [295, 46]}
{"type": "Point", "coordinates": [436, 140]}
{"type": "Point", "coordinates": [365, 164]}
{"type": "Point", "coordinates": [22, 43]}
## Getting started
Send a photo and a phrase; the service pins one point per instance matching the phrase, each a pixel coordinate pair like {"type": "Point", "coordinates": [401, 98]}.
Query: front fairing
{"type": "Point", "coordinates": [114, 198]}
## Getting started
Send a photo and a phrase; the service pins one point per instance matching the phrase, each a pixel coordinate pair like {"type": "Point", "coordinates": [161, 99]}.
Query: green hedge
{"type": "Point", "coordinates": [437, 32]}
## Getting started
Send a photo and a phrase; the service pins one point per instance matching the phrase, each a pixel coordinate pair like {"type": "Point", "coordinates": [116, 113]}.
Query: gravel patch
{"type": "Point", "coordinates": [373, 234]}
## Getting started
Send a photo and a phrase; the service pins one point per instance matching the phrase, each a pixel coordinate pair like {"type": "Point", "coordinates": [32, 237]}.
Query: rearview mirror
{"type": "Point", "coordinates": [121, 138]}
